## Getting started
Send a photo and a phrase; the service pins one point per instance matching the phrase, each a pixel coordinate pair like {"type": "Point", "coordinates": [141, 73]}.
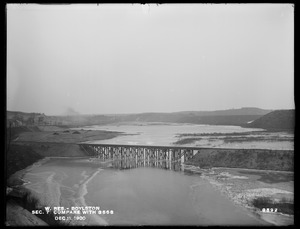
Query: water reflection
{"type": "Point", "coordinates": [162, 164]}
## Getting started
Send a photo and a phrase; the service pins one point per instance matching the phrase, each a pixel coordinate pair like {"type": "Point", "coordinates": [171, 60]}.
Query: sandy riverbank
{"type": "Point", "coordinates": [46, 189]}
{"type": "Point", "coordinates": [242, 186]}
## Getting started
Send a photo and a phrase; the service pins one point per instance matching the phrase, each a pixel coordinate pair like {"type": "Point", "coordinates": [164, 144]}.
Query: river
{"type": "Point", "coordinates": [144, 195]}
{"type": "Point", "coordinates": [140, 196]}
{"type": "Point", "coordinates": [166, 134]}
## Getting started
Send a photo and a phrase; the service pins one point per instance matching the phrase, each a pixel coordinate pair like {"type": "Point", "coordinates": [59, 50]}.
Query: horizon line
{"type": "Point", "coordinates": [153, 112]}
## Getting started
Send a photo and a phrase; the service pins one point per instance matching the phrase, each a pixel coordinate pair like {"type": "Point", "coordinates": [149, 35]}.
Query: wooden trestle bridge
{"type": "Point", "coordinates": [131, 156]}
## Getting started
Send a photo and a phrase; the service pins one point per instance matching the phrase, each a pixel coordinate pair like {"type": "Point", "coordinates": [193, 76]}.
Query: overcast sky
{"type": "Point", "coordinates": [148, 58]}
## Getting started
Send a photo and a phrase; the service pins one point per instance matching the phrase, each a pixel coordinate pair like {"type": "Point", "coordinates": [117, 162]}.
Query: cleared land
{"type": "Point", "coordinates": [32, 144]}
{"type": "Point", "coordinates": [66, 136]}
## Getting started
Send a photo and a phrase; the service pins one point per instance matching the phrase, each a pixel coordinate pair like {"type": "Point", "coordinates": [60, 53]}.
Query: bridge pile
{"type": "Point", "coordinates": [131, 156]}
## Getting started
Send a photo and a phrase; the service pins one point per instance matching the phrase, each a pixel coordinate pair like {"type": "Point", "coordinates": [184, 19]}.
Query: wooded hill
{"type": "Point", "coordinates": [275, 120]}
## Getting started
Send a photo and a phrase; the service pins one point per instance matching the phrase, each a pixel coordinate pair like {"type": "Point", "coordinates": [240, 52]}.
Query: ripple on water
{"type": "Point", "coordinates": [141, 196]}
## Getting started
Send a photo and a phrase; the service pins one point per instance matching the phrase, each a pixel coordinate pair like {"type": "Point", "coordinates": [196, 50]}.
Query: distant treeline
{"type": "Point", "coordinates": [246, 117]}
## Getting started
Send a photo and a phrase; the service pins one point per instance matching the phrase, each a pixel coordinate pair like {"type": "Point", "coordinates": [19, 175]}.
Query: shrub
{"type": "Point", "coordinates": [285, 205]}
{"type": "Point", "coordinates": [262, 202]}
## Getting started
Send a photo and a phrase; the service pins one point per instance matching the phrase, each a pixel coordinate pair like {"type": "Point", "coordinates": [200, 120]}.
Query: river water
{"type": "Point", "coordinates": [139, 196]}
{"type": "Point", "coordinates": [166, 134]}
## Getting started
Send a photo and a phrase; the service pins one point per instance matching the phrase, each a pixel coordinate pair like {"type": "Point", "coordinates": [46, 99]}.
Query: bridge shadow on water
{"type": "Point", "coordinates": [162, 164]}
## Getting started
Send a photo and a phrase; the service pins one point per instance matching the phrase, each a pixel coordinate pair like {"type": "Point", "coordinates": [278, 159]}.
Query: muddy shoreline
{"type": "Point", "coordinates": [24, 197]}
{"type": "Point", "coordinates": [241, 187]}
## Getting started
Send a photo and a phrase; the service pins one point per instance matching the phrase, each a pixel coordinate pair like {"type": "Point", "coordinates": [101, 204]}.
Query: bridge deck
{"type": "Point", "coordinates": [176, 147]}
{"type": "Point", "coordinates": [128, 156]}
